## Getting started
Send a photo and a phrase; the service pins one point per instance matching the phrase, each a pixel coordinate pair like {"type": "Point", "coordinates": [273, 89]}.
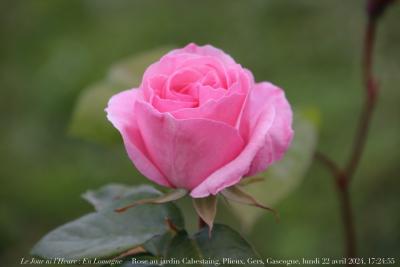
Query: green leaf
{"type": "Point", "coordinates": [283, 177]}
{"type": "Point", "coordinates": [104, 196]}
{"type": "Point", "coordinates": [106, 233]}
{"type": "Point", "coordinates": [89, 119]}
{"type": "Point", "coordinates": [224, 243]}
{"type": "Point", "coordinates": [158, 245]}
{"type": "Point", "coordinates": [225, 246]}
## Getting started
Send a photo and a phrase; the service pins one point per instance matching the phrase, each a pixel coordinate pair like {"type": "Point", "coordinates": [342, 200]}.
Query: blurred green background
{"type": "Point", "coordinates": [51, 49]}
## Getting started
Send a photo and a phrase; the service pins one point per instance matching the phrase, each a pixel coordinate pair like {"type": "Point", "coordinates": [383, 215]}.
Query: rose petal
{"type": "Point", "coordinates": [232, 172]}
{"type": "Point", "coordinates": [181, 148]}
{"type": "Point", "coordinates": [206, 50]}
{"type": "Point", "coordinates": [226, 109]}
{"type": "Point", "coordinates": [207, 93]}
{"type": "Point", "coordinates": [166, 65]}
{"type": "Point", "coordinates": [170, 63]}
{"type": "Point", "coordinates": [239, 80]}
{"type": "Point", "coordinates": [211, 79]}
{"type": "Point", "coordinates": [120, 112]}
{"type": "Point", "coordinates": [212, 63]}
{"type": "Point", "coordinates": [154, 86]}
{"type": "Point", "coordinates": [178, 84]}
{"type": "Point", "coordinates": [170, 105]}
{"type": "Point", "coordinates": [280, 134]}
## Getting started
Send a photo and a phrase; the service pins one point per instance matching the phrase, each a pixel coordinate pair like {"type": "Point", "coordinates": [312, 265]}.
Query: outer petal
{"type": "Point", "coordinates": [186, 151]}
{"type": "Point", "coordinates": [171, 62]}
{"type": "Point", "coordinates": [206, 50]}
{"type": "Point", "coordinates": [230, 174]}
{"type": "Point", "coordinates": [120, 112]}
{"type": "Point", "coordinates": [280, 135]}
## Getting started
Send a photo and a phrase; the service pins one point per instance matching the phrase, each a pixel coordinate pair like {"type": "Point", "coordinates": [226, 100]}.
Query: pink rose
{"type": "Point", "coordinates": [198, 121]}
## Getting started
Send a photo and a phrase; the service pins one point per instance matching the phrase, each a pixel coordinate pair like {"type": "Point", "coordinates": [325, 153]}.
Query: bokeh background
{"type": "Point", "coordinates": [51, 49]}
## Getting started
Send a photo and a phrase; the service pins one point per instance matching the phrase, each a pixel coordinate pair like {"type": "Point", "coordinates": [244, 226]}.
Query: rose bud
{"type": "Point", "coordinates": [375, 8]}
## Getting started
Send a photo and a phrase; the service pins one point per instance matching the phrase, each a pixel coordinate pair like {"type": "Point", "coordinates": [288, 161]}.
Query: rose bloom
{"type": "Point", "coordinates": [199, 121]}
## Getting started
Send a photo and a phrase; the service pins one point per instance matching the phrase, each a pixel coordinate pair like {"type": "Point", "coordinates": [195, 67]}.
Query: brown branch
{"type": "Point", "coordinates": [342, 185]}
{"type": "Point", "coordinates": [348, 223]}
{"type": "Point", "coordinates": [344, 176]}
{"type": "Point", "coordinates": [371, 92]}
{"type": "Point", "coordinates": [329, 164]}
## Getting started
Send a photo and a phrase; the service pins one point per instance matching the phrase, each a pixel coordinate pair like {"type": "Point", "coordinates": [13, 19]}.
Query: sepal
{"type": "Point", "coordinates": [236, 194]}
{"type": "Point", "coordinates": [206, 208]}
{"type": "Point", "coordinates": [170, 196]}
